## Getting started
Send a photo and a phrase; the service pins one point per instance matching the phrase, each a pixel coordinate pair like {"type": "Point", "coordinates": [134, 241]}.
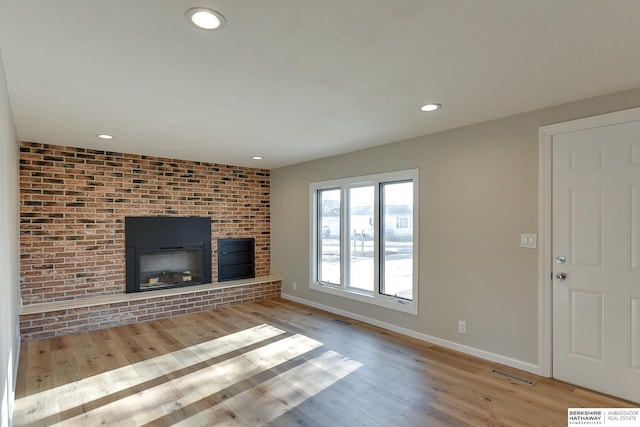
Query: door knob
{"type": "Point", "coordinates": [561, 276]}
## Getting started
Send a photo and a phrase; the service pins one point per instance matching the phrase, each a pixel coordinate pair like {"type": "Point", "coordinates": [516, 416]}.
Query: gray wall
{"type": "Point", "coordinates": [9, 254]}
{"type": "Point", "coordinates": [478, 193]}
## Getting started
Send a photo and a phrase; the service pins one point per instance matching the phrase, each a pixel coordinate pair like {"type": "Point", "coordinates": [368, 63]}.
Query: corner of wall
{"type": "Point", "coordinates": [9, 255]}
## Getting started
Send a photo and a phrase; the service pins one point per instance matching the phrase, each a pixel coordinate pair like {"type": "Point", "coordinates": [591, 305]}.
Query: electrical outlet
{"type": "Point", "coordinates": [462, 326]}
{"type": "Point", "coordinates": [295, 286]}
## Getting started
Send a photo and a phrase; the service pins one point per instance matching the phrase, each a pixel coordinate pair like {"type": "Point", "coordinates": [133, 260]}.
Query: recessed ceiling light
{"type": "Point", "coordinates": [430, 107]}
{"type": "Point", "coordinates": [257, 157]}
{"type": "Point", "coordinates": [207, 19]}
{"type": "Point", "coordinates": [104, 136]}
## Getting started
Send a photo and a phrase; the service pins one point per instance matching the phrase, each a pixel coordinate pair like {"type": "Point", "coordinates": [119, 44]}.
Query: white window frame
{"type": "Point", "coordinates": [375, 297]}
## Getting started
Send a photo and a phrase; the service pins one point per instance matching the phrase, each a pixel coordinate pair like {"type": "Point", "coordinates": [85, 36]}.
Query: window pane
{"type": "Point", "coordinates": [397, 240]}
{"type": "Point", "coordinates": [329, 236]}
{"type": "Point", "coordinates": [361, 218]}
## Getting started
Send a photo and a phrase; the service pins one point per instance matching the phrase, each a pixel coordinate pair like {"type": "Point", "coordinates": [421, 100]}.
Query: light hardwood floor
{"type": "Point", "coordinates": [275, 363]}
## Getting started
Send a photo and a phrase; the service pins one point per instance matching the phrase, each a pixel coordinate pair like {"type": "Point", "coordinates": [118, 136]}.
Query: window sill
{"type": "Point", "coordinates": [391, 303]}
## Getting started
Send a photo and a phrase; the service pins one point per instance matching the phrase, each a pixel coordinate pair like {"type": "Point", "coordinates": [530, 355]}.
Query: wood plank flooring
{"type": "Point", "coordinates": [275, 363]}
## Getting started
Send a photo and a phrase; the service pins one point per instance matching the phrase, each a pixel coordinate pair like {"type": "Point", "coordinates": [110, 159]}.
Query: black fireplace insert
{"type": "Point", "coordinates": [167, 252]}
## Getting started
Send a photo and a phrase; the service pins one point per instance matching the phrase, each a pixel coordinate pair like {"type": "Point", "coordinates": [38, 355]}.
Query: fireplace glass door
{"type": "Point", "coordinates": [163, 267]}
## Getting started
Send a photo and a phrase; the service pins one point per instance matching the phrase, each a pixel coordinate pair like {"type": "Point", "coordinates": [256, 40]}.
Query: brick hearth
{"type": "Point", "coordinates": [86, 314]}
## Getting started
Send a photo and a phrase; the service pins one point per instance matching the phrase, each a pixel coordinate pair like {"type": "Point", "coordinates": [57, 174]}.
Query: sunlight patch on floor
{"type": "Point", "coordinates": [189, 387]}
{"type": "Point", "coordinates": [62, 400]}
{"type": "Point", "coordinates": [274, 397]}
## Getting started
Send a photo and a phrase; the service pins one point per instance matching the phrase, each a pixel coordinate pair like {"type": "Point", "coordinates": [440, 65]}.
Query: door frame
{"type": "Point", "coordinates": [545, 240]}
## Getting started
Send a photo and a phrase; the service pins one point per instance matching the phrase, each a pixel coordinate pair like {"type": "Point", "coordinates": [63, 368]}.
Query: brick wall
{"type": "Point", "coordinates": [74, 201]}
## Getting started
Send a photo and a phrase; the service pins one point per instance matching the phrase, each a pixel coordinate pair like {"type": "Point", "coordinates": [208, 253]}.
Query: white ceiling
{"type": "Point", "coordinates": [294, 80]}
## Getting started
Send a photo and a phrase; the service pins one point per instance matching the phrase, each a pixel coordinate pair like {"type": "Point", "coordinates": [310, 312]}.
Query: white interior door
{"type": "Point", "coordinates": [596, 246]}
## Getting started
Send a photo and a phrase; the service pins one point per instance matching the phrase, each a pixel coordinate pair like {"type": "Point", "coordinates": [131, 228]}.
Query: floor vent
{"type": "Point", "coordinates": [513, 377]}
{"type": "Point", "coordinates": [343, 322]}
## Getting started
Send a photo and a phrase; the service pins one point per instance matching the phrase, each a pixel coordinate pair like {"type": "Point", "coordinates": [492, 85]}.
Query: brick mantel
{"type": "Point", "coordinates": [74, 201]}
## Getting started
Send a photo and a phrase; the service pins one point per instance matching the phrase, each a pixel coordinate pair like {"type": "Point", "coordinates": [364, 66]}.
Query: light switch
{"type": "Point", "coordinates": [528, 241]}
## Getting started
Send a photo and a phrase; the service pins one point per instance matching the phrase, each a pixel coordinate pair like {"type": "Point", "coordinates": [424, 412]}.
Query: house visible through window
{"type": "Point", "coordinates": [328, 267]}
{"type": "Point", "coordinates": [364, 239]}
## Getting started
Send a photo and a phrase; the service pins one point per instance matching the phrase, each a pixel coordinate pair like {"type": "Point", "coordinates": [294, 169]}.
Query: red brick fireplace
{"type": "Point", "coordinates": [73, 205]}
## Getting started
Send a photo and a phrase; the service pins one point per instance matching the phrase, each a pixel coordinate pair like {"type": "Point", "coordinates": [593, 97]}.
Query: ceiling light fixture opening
{"type": "Point", "coordinates": [207, 19]}
{"type": "Point", "coordinates": [257, 157]}
{"type": "Point", "coordinates": [104, 136]}
{"type": "Point", "coordinates": [430, 107]}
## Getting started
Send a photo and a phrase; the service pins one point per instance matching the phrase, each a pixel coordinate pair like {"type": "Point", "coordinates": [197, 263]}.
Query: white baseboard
{"type": "Point", "coordinates": [483, 354]}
